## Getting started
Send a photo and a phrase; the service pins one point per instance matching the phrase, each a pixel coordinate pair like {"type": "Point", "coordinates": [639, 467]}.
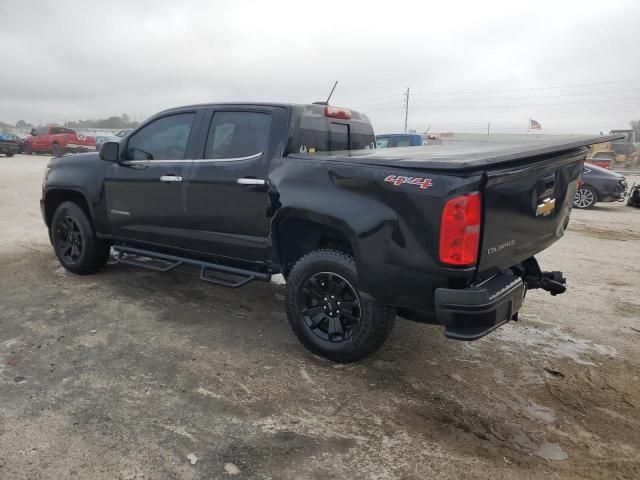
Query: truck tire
{"type": "Point", "coordinates": [56, 150]}
{"type": "Point", "coordinates": [75, 242]}
{"type": "Point", "coordinates": [585, 197]}
{"type": "Point", "coordinates": [327, 312]}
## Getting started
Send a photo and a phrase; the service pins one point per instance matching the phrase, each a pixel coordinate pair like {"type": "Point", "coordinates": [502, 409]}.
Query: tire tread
{"type": "Point", "coordinates": [383, 315]}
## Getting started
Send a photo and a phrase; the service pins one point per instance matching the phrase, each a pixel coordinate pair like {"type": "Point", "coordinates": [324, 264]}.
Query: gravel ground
{"type": "Point", "coordinates": [132, 374]}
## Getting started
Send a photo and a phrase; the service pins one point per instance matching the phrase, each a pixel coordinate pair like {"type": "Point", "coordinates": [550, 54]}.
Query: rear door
{"type": "Point", "coordinates": [228, 193]}
{"type": "Point", "coordinates": [526, 208]}
{"type": "Point", "coordinates": [146, 193]}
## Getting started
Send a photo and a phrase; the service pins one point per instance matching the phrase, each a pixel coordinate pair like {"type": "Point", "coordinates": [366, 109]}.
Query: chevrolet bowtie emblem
{"type": "Point", "coordinates": [546, 207]}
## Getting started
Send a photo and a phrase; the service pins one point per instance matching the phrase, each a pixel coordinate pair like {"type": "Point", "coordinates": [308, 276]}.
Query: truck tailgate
{"type": "Point", "coordinates": [526, 209]}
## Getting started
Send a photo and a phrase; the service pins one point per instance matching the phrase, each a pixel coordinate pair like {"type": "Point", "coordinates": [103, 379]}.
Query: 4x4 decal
{"type": "Point", "coordinates": [398, 180]}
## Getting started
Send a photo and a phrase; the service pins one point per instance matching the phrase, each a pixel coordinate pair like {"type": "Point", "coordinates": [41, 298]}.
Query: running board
{"type": "Point", "coordinates": [161, 262]}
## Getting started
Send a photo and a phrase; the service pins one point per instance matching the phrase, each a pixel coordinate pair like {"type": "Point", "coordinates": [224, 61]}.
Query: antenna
{"type": "Point", "coordinates": [331, 93]}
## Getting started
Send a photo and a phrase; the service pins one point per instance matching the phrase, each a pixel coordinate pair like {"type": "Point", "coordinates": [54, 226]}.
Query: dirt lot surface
{"type": "Point", "coordinates": [129, 374]}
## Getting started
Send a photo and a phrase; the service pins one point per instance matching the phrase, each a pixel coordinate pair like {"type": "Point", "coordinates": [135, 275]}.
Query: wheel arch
{"type": "Point", "coordinates": [55, 197]}
{"type": "Point", "coordinates": [295, 233]}
{"type": "Point", "coordinates": [592, 187]}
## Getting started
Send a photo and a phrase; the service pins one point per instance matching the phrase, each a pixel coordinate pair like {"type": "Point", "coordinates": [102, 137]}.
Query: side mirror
{"type": "Point", "coordinates": [33, 132]}
{"type": "Point", "coordinates": [110, 151]}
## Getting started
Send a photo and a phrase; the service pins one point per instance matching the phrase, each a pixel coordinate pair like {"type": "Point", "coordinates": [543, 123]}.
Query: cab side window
{"type": "Point", "coordinates": [237, 135]}
{"type": "Point", "coordinates": [163, 139]}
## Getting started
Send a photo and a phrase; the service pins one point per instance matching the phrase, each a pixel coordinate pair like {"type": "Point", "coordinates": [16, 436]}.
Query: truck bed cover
{"type": "Point", "coordinates": [462, 155]}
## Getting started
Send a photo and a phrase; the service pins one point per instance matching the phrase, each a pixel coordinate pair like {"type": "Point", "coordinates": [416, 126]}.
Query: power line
{"type": "Point", "coordinates": [517, 106]}
{"type": "Point", "coordinates": [489, 99]}
{"type": "Point", "coordinates": [528, 97]}
{"type": "Point", "coordinates": [532, 89]}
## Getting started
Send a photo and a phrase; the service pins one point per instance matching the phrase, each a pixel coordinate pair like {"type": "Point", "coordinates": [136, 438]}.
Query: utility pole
{"type": "Point", "coordinates": [406, 109]}
{"type": "Point", "coordinates": [488, 128]}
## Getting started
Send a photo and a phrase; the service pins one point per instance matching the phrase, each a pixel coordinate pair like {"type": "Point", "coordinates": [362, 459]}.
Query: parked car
{"type": "Point", "coordinates": [124, 133]}
{"type": "Point", "coordinates": [8, 146]}
{"type": "Point", "coordinates": [100, 139]}
{"type": "Point", "coordinates": [441, 235]}
{"type": "Point", "coordinates": [398, 140]}
{"type": "Point", "coordinates": [15, 138]}
{"type": "Point", "coordinates": [602, 159]}
{"type": "Point", "coordinates": [599, 185]}
{"type": "Point", "coordinates": [58, 141]}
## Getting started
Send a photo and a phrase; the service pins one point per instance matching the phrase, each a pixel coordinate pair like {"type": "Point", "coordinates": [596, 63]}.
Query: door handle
{"type": "Point", "coordinates": [170, 178]}
{"type": "Point", "coordinates": [250, 181]}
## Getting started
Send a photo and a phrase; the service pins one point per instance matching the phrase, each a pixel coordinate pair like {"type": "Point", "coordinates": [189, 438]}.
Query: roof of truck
{"type": "Point", "coordinates": [462, 155]}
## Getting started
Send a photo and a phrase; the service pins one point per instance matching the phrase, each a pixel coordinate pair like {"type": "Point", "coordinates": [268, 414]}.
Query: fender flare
{"type": "Point", "coordinates": [326, 220]}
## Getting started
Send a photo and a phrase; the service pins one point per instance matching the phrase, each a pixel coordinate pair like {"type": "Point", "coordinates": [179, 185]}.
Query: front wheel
{"type": "Point", "coordinates": [585, 197]}
{"type": "Point", "coordinates": [327, 312]}
{"type": "Point", "coordinates": [75, 242]}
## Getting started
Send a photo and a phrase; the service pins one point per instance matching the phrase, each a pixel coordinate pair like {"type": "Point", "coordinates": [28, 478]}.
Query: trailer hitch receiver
{"type": "Point", "coordinates": [533, 277]}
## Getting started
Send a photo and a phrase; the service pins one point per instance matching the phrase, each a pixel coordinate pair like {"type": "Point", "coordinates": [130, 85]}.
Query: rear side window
{"type": "Point", "coordinates": [163, 139]}
{"type": "Point", "coordinates": [403, 142]}
{"type": "Point", "coordinates": [237, 135]}
{"type": "Point", "coordinates": [382, 142]}
{"type": "Point", "coordinates": [61, 130]}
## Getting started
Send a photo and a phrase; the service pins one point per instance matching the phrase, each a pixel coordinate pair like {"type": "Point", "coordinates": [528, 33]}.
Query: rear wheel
{"type": "Point", "coordinates": [9, 154]}
{"type": "Point", "coordinates": [585, 197]}
{"type": "Point", "coordinates": [74, 241]}
{"type": "Point", "coordinates": [56, 150]}
{"type": "Point", "coordinates": [327, 312]}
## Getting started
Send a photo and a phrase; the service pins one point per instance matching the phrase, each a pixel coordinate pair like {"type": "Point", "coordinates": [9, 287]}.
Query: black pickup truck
{"type": "Point", "coordinates": [443, 234]}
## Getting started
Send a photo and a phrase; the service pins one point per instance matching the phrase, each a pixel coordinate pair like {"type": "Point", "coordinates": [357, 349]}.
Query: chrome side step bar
{"type": "Point", "coordinates": [161, 262]}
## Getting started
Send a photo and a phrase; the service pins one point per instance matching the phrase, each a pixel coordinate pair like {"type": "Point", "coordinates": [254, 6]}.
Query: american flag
{"type": "Point", "coordinates": [533, 125]}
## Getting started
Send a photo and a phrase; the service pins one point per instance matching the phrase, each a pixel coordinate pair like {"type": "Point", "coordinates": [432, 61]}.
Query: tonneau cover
{"type": "Point", "coordinates": [462, 155]}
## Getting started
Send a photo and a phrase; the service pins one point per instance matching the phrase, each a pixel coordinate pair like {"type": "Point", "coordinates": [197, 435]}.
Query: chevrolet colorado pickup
{"type": "Point", "coordinates": [444, 234]}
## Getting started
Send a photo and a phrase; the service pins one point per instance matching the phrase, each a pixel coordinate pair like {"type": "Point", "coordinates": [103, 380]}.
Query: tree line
{"type": "Point", "coordinates": [113, 122]}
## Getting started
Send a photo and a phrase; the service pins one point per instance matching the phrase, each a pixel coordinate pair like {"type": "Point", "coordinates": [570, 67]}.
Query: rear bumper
{"type": "Point", "coordinates": [472, 313]}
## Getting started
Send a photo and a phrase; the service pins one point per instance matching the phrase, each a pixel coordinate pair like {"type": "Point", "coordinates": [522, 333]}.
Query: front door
{"type": "Point", "coordinates": [228, 191]}
{"type": "Point", "coordinates": [146, 193]}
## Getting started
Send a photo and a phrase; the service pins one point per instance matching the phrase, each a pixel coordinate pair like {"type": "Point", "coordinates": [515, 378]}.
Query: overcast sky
{"type": "Point", "coordinates": [466, 63]}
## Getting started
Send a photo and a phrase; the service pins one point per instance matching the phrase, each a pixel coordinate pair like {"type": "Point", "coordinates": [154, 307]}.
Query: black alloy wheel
{"type": "Point", "coordinates": [327, 312]}
{"type": "Point", "coordinates": [330, 306]}
{"type": "Point", "coordinates": [68, 239]}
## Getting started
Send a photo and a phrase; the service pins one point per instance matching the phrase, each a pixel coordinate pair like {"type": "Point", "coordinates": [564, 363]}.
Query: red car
{"type": "Point", "coordinates": [603, 159]}
{"type": "Point", "coordinates": [58, 141]}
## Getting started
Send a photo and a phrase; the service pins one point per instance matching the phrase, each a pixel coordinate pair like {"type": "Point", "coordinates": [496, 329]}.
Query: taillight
{"type": "Point", "coordinates": [336, 112]}
{"type": "Point", "coordinates": [460, 230]}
